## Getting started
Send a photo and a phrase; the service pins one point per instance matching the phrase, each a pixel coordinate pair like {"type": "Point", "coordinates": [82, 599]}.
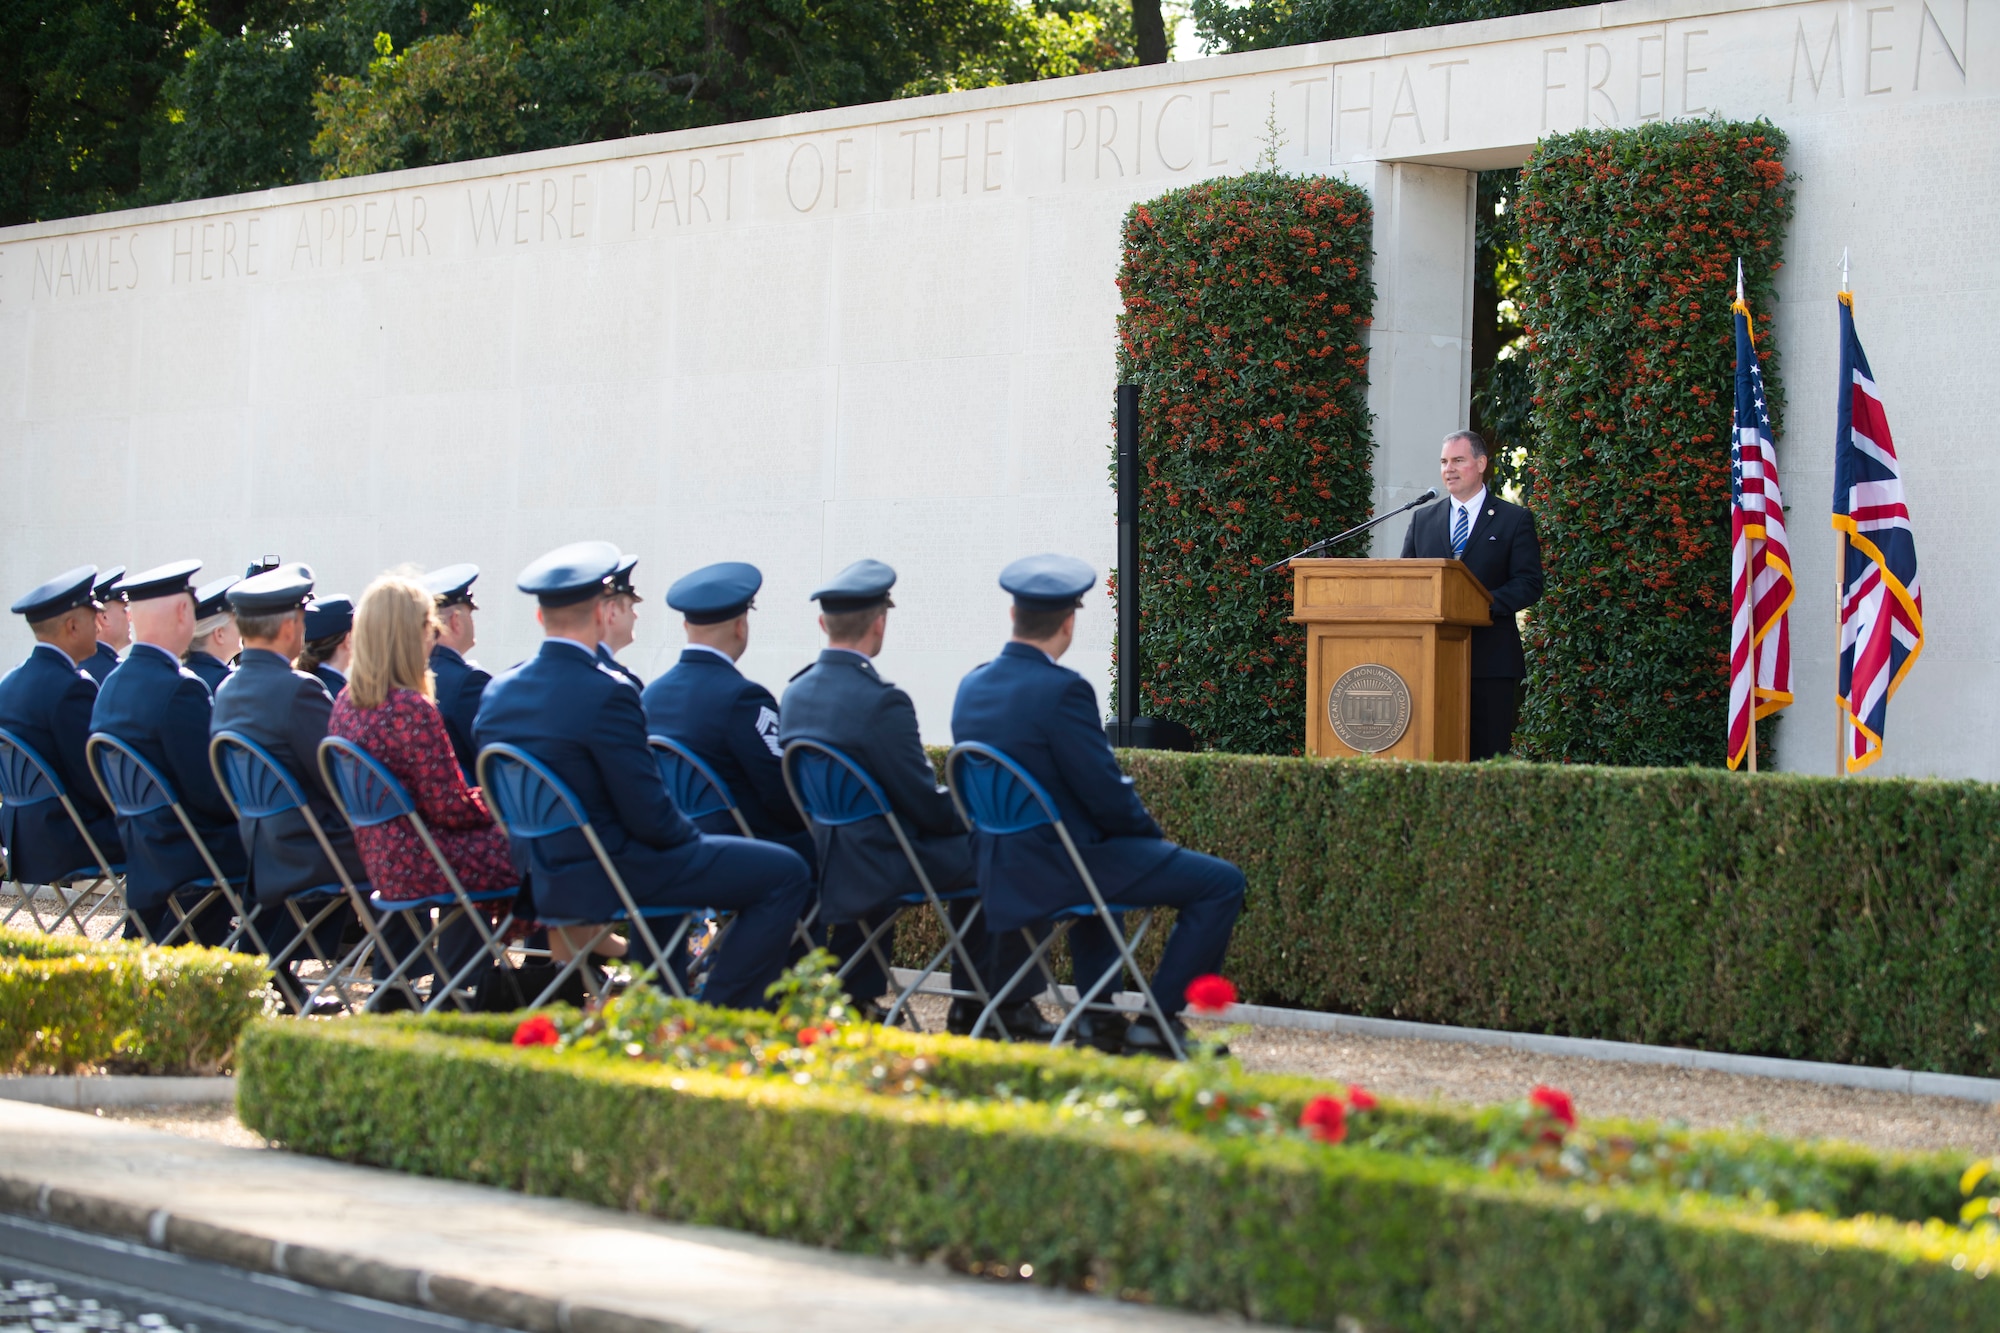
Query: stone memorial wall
{"type": "Point", "coordinates": [888, 331]}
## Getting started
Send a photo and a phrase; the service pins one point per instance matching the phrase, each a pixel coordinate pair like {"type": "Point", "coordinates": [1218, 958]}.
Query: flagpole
{"type": "Point", "coordinates": [1840, 598]}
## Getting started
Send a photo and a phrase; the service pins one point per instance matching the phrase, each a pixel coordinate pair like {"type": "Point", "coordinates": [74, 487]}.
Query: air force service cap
{"type": "Point", "coordinates": [1046, 582]}
{"type": "Point", "coordinates": [862, 585]}
{"type": "Point", "coordinates": [103, 590]}
{"type": "Point", "coordinates": [571, 574]}
{"type": "Point", "coordinates": [452, 585]}
{"type": "Point", "coordinates": [621, 578]}
{"type": "Point", "coordinates": [715, 593]}
{"type": "Point", "coordinates": [64, 592]}
{"type": "Point", "coordinates": [274, 592]}
{"type": "Point", "coordinates": [329, 616]}
{"type": "Point", "coordinates": [168, 580]}
{"type": "Point", "coordinates": [212, 598]}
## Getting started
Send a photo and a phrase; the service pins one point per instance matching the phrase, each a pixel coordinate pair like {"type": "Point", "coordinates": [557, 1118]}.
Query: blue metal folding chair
{"type": "Point", "coordinates": [133, 788]}
{"type": "Point", "coordinates": [531, 802]}
{"type": "Point", "coordinates": [700, 791]}
{"type": "Point", "coordinates": [829, 788]}
{"type": "Point", "coordinates": [368, 794]}
{"type": "Point", "coordinates": [1000, 799]}
{"type": "Point", "coordinates": [257, 786]}
{"type": "Point", "coordinates": [27, 780]}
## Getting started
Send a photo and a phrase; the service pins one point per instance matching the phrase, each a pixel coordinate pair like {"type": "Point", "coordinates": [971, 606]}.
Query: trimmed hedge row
{"type": "Point", "coordinates": [68, 1005]}
{"type": "Point", "coordinates": [1804, 917]}
{"type": "Point", "coordinates": [1278, 1230]}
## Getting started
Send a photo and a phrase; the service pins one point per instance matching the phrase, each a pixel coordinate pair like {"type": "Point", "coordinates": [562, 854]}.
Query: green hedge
{"type": "Point", "coordinates": [1805, 917]}
{"type": "Point", "coordinates": [1813, 918]}
{"type": "Point", "coordinates": [1629, 243]}
{"type": "Point", "coordinates": [67, 1005]}
{"type": "Point", "coordinates": [1246, 299]}
{"type": "Point", "coordinates": [1285, 1231]}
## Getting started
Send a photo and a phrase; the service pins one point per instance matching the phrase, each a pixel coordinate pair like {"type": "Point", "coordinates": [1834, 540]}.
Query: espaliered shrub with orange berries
{"type": "Point", "coordinates": [1245, 302]}
{"type": "Point", "coordinates": [1629, 242]}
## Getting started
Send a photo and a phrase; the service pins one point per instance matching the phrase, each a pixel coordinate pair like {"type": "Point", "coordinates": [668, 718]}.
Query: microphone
{"type": "Point", "coordinates": [1356, 531]}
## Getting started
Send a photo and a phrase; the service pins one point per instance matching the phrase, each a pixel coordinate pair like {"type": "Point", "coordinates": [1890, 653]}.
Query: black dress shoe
{"type": "Point", "coordinates": [1106, 1032]}
{"type": "Point", "coordinates": [1144, 1038]}
{"type": "Point", "coordinates": [1024, 1022]}
{"type": "Point", "coordinates": [958, 1019]}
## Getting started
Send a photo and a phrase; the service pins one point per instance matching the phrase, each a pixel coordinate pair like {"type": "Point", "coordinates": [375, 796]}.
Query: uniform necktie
{"type": "Point", "coordinates": [1461, 529]}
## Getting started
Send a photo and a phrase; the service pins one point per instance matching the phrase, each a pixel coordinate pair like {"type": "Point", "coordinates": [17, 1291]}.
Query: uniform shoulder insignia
{"type": "Point", "coordinates": [767, 730]}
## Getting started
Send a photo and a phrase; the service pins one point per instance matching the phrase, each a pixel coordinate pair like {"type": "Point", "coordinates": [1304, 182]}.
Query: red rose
{"type": "Point", "coordinates": [1554, 1103]}
{"type": "Point", "coordinates": [1360, 1099]}
{"type": "Point", "coordinates": [1325, 1119]}
{"type": "Point", "coordinates": [537, 1030]}
{"type": "Point", "coordinates": [807, 1036]}
{"type": "Point", "coordinates": [1210, 994]}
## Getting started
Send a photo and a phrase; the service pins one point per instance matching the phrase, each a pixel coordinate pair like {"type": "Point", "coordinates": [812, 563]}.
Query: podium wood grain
{"type": "Point", "coordinates": [1412, 616]}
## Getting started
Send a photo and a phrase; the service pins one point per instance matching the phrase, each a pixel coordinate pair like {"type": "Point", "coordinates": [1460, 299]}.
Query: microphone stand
{"type": "Point", "coordinates": [1356, 531]}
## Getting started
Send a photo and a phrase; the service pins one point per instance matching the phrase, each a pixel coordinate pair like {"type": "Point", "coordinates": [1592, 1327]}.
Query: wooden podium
{"type": "Point", "coordinates": [1388, 655]}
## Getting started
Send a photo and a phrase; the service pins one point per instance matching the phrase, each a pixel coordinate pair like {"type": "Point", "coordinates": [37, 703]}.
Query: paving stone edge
{"type": "Point", "coordinates": [315, 1266]}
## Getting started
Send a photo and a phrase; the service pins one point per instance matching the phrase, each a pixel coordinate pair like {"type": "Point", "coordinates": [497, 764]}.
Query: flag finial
{"type": "Point", "coordinates": [1739, 281]}
{"type": "Point", "coordinates": [1843, 270]}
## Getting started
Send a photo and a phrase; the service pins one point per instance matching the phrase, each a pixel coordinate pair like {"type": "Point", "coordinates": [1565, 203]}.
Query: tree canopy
{"type": "Point", "coordinates": [114, 103]}
{"type": "Point", "coordinates": [1252, 25]}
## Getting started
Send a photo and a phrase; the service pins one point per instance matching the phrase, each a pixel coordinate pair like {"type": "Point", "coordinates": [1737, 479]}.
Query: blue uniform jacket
{"type": "Point", "coordinates": [286, 712]}
{"type": "Point", "coordinates": [731, 721]}
{"type": "Point", "coordinates": [585, 723]}
{"type": "Point", "coordinates": [460, 687]}
{"type": "Point", "coordinates": [212, 669]}
{"type": "Point", "coordinates": [1045, 718]}
{"type": "Point", "coordinates": [331, 679]}
{"type": "Point", "coordinates": [841, 701]}
{"type": "Point", "coordinates": [161, 709]}
{"type": "Point", "coordinates": [46, 702]}
{"type": "Point", "coordinates": [102, 661]}
{"type": "Point", "coordinates": [625, 673]}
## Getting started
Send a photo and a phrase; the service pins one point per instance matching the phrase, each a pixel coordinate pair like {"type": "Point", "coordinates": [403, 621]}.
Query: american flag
{"type": "Point", "coordinates": [1760, 562]}
{"type": "Point", "coordinates": [1881, 604]}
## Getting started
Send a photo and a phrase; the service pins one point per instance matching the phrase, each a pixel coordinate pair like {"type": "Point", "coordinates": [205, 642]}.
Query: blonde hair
{"type": "Point", "coordinates": [390, 651]}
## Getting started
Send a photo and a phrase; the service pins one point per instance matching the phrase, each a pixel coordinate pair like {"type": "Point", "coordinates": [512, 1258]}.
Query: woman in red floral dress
{"type": "Point", "coordinates": [387, 710]}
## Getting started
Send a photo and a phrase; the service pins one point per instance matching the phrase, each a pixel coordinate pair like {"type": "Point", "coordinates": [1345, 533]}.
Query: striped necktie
{"type": "Point", "coordinates": [1461, 529]}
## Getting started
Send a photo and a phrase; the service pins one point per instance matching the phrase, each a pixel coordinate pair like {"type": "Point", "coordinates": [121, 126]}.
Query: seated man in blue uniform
{"type": "Point", "coordinates": [841, 700]}
{"type": "Point", "coordinates": [727, 719]}
{"type": "Point", "coordinates": [624, 623]}
{"type": "Point", "coordinates": [114, 627]}
{"type": "Point", "coordinates": [46, 703]}
{"type": "Point", "coordinates": [329, 641]}
{"type": "Point", "coordinates": [585, 723]}
{"type": "Point", "coordinates": [162, 709]}
{"type": "Point", "coordinates": [285, 711]}
{"type": "Point", "coordinates": [1045, 717]}
{"type": "Point", "coordinates": [460, 683]}
{"type": "Point", "coordinates": [215, 640]}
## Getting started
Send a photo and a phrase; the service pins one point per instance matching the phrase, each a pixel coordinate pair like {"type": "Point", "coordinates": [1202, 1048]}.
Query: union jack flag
{"type": "Point", "coordinates": [1881, 603]}
{"type": "Point", "coordinates": [1760, 562]}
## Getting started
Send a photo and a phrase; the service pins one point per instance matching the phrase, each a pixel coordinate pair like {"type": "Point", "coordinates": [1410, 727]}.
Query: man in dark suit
{"type": "Point", "coordinates": [286, 712]}
{"type": "Point", "coordinates": [114, 627]}
{"type": "Point", "coordinates": [215, 639]}
{"type": "Point", "coordinates": [727, 719]}
{"type": "Point", "coordinates": [329, 641]}
{"type": "Point", "coordinates": [460, 683]}
{"type": "Point", "coordinates": [162, 710]}
{"type": "Point", "coordinates": [46, 703]}
{"type": "Point", "coordinates": [586, 724]}
{"type": "Point", "coordinates": [841, 701]}
{"type": "Point", "coordinates": [624, 623]}
{"type": "Point", "coordinates": [1498, 543]}
{"type": "Point", "coordinates": [1045, 717]}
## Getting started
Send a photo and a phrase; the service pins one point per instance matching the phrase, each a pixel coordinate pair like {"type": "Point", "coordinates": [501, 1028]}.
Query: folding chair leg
{"type": "Point", "coordinates": [578, 956]}
{"type": "Point", "coordinates": [1037, 957]}
{"type": "Point", "coordinates": [302, 1000]}
{"type": "Point", "coordinates": [490, 952]}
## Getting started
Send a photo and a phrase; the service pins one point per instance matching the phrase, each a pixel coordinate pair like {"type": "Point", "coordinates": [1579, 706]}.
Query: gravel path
{"type": "Point", "coordinates": [1451, 1071]}
{"type": "Point", "coordinates": [214, 1121]}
